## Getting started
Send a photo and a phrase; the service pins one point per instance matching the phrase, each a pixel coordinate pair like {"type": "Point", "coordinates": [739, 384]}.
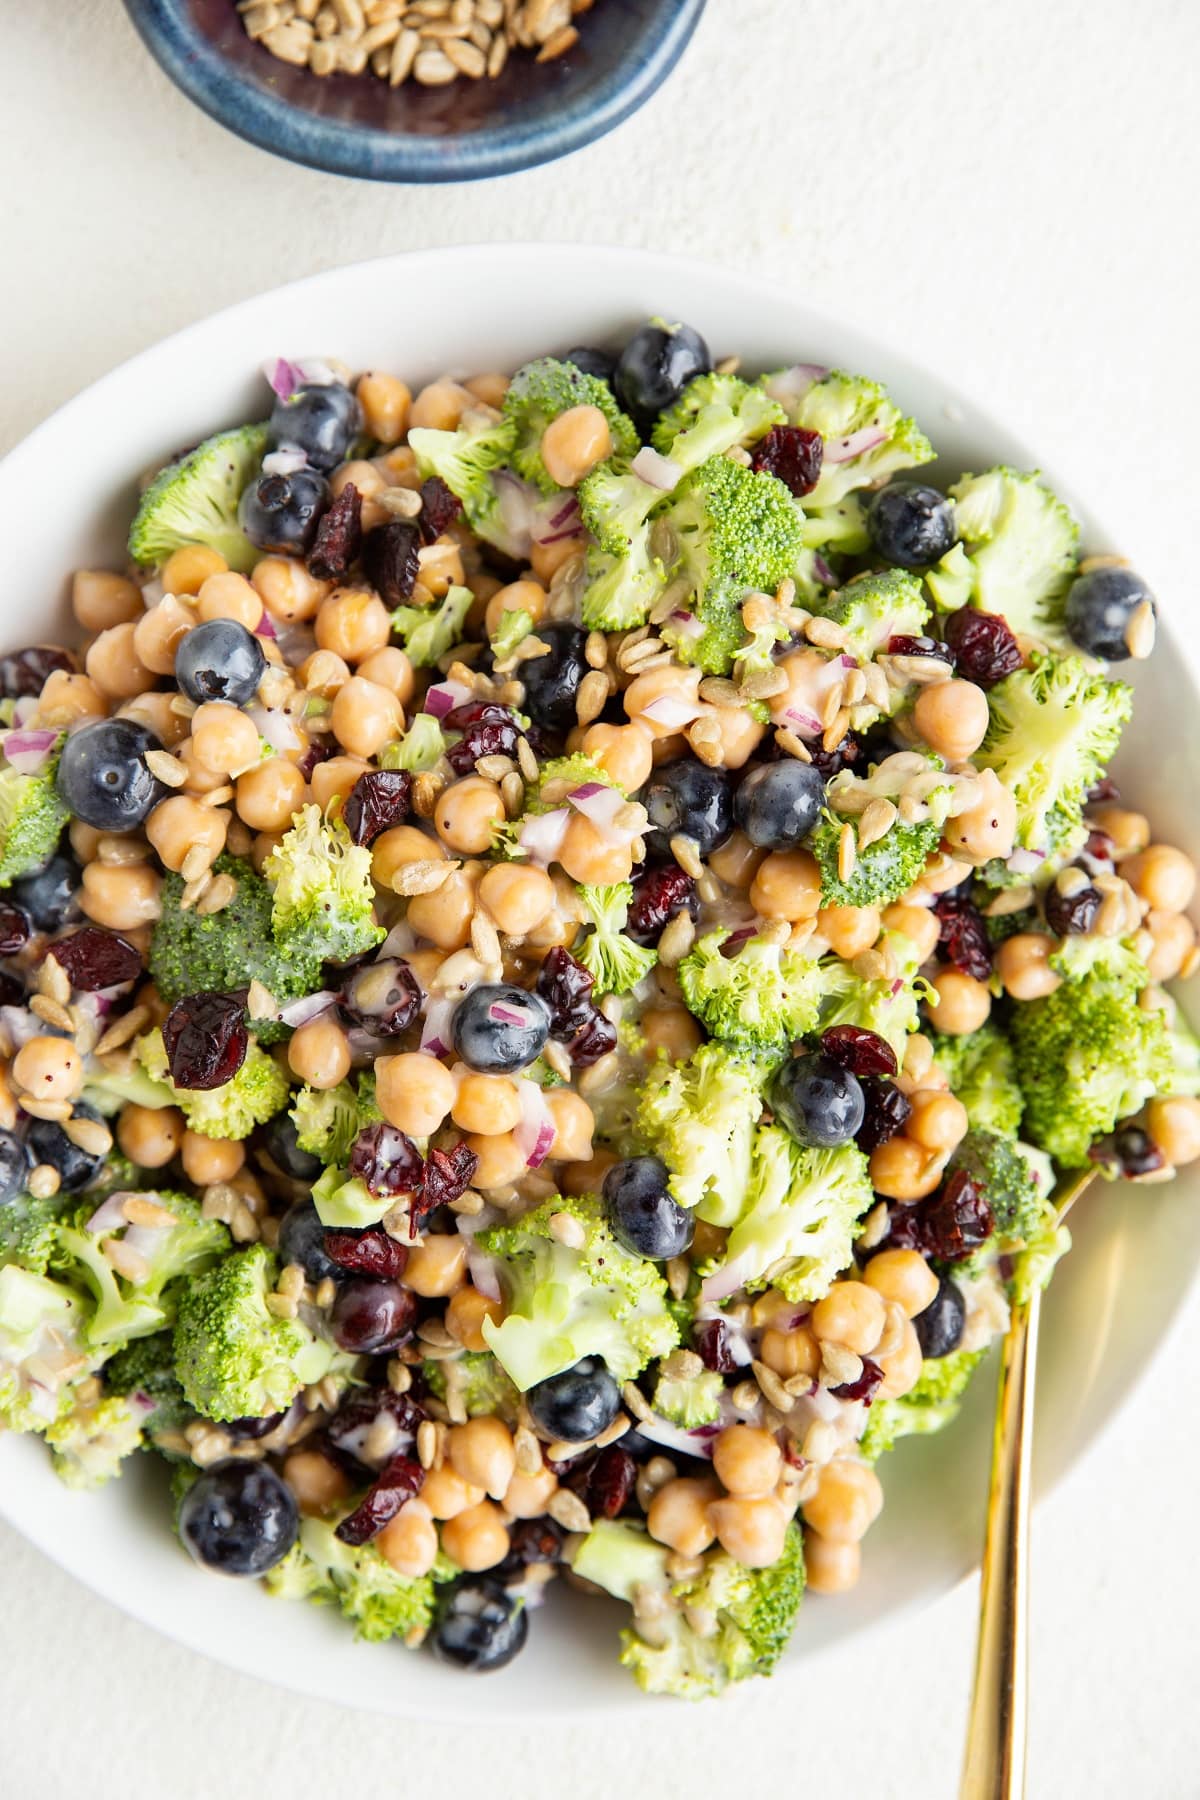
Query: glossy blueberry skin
{"type": "Point", "coordinates": [15, 1164]}
{"type": "Point", "coordinates": [280, 513]}
{"type": "Point", "coordinates": [552, 681]}
{"type": "Point", "coordinates": [48, 1143]}
{"type": "Point", "coordinates": [369, 1317]}
{"type": "Point", "coordinates": [820, 1102]}
{"type": "Point", "coordinates": [642, 1213]}
{"type": "Point", "coordinates": [102, 774]}
{"type": "Point", "coordinates": [687, 798]}
{"type": "Point", "coordinates": [911, 525]}
{"type": "Point", "coordinates": [1099, 608]}
{"type": "Point", "coordinates": [939, 1328]}
{"type": "Point", "coordinates": [280, 1144]}
{"type": "Point", "coordinates": [302, 1240]}
{"type": "Point", "coordinates": [576, 1405]}
{"type": "Point", "coordinates": [592, 362]}
{"type": "Point", "coordinates": [778, 805]}
{"type": "Point", "coordinates": [480, 1625]}
{"type": "Point", "coordinates": [220, 660]}
{"type": "Point", "coordinates": [656, 364]}
{"type": "Point", "coordinates": [49, 894]}
{"type": "Point", "coordinates": [238, 1518]}
{"type": "Point", "coordinates": [323, 421]}
{"type": "Point", "coordinates": [492, 1045]}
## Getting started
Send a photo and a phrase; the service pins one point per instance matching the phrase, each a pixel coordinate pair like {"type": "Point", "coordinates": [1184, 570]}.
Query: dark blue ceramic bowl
{"type": "Point", "coordinates": [357, 125]}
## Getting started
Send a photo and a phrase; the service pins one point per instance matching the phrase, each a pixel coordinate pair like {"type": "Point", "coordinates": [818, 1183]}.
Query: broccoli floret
{"type": "Point", "coordinates": [699, 1117]}
{"type": "Point", "coordinates": [466, 461]}
{"type": "Point", "coordinates": [422, 746]}
{"type": "Point", "coordinates": [145, 1371]}
{"type": "Point", "coordinates": [1182, 1042]}
{"type": "Point", "coordinates": [882, 870]}
{"type": "Point", "coordinates": [324, 895]}
{"type": "Point", "coordinates": [129, 1269]}
{"type": "Point", "coordinates": [617, 963]}
{"type": "Point", "coordinates": [42, 1348]}
{"type": "Point", "coordinates": [615, 505]}
{"type": "Point", "coordinates": [1018, 553]}
{"type": "Point", "coordinates": [476, 1379]}
{"type": "Point", "coordinates": [1017, 1202]}
{"type": "Point", "coordinates": [712, 415]}
{"type": "Point", "coordinates": [195, 501]}
{"type": "Point", "coordinates": [620, 589]}
{"type": "Point", "coordinates": [92, 1439]}
{"type": "Point", "coordinates": [621, 1557]}
{"type": "Point", "coordinates": [738, 531]}
{"type": "Point", "coordinates": [255, 1094]}
{"type": "Point", "coordinates": [515, 626]}
{"type": "Point", "coordinates": [344, 1202]}
{"type": "Point", "coordinates": [218, 953]}
{"type": "Point", "coordinates": [108, 1091]}
{"type": "Point", "coordinates": [565, 1303]}
{"type": "Point", "coordinates": [27, 1231]}
{"type": "Point", "coordinates": [888, 1005]}
{"type": "Point", "coordinates": [689, 1400]}
{"type": "Point", "coordinates": [866, 437]}
{"type": "Point", "coordinates": [235, 1359]}
{"type": "Point", "coordinates": [328, 1120]}
{"type": "Point", "coordinates": [32, 816]}
{"type": "Point", "coordinates": [359, 1581]}
{"type": "Point", "coordinates": [429, 631]}
{"type": "Point", "coordinates": [873, 609]}
{"type": "Point", "coordinates": [839, 530]}
{"type": "Point", "coordinates": [759, 999]}
{"type": "Point", "coordinates": [799, 1222]}
{"type": "Point", "coordinates": [538, 393]}
{"type": "Point", "coordinates": [929, 1406]}
{"type": "Point", "coordinates": [982, 1073]}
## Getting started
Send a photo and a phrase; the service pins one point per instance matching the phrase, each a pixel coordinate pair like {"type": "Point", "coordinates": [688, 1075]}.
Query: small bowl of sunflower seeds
{"type": "Point", "coordinates": [417, 90]}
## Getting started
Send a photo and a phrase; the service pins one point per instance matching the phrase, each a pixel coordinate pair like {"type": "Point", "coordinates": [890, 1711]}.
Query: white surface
{"type": "Point", "coordinates": [1039, 261]}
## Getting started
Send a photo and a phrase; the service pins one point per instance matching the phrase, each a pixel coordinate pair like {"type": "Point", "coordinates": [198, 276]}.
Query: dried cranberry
{"type": "Point", "coordinates": [596, 1037]}
{"type": "Point", "coordinates": [948, 1226]}
{"type": "Point", "coordinates": [389, 560]}
{"type": "Point", "coordinates": [609, 1482]}
{"type": "Point", "coordinates": [963, 936]}
{"type": "Point", "coordinates": [206, 1039]}
{"type": "Point", "coordinates": [348, 1430]}
{"type": "Point", "coordinates": [712, 1344]}
{"type": "Point", "coordinates": [24, 672]}
{"type": "Point", "coordinates": [439, 509]}
{"type": "Point", "coordinates": [887, 1112]}
{"type": "Point", "coordinates": [566, 987]}
{"type": "Point", "coordinates": [339, 537]}
{"type": "Point", "coordinates": [985, 647]}
{"type": "Point", "coordinates": [478, 712]}
{"type": "Point", "coordinates": [658, 895]}
{"type": "Point", "coordinates": [397, 1482]}
{"type": "Point", "coordinates": [1070, 915]}
{"type": "Point", "coordinates": [383, 998]}
{"type": "Point", "coordinates": [378, 800]}
{"type": "Point", "coordinates": [15, 928]}
{"type": "Point", "coordinates": [370, 1252]}
{"type": "Point", "coordinates": [531, 1541]}
{"type": "Point", "coordinates": [921, 646]}
{"type": "Point", "coordinates": [1106, 789]}
{"type": "Point", "coordinates": [864, 1387]}
{"type": "Point", "coordinates": [317, 752]}
{"type": "Point", "coordinates": [387, 1162]}
{"type": "Point", "coordinates": [862, 1052]}
{"type": "Point", "coordinates": [828, 763]}
{"type": "Point", "coordinates": [792, 454]}
{"type": "Point", "coordinates": [95, 959]}
{"type": "Point", "coordinates": [494, 738]}
{"type": "Point", "coordinates": [448, 1173]}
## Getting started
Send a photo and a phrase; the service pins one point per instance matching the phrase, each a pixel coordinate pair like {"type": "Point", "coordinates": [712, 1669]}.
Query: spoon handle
{"type": "Point", "coordinates": [994, 1764]}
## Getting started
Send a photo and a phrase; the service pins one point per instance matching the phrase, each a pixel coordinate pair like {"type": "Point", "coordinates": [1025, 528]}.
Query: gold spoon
{"type": "Point", "coordinates": [994, 1764]}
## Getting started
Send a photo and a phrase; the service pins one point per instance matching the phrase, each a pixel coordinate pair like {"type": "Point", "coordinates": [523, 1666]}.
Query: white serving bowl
{"type": "Point", "coordinates": [72, 485]}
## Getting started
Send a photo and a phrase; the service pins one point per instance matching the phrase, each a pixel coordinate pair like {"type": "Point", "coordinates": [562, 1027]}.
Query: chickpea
{"type": "Point", "coordinates": [158, 633]}
{"type": "Point", "coordinates": [409, 1542]}
{"type": "Point", "coordinates": [425, 965]}
{"type": "Point", "coordinates": [847, 1502]}
{"type": "Point", "coordinates": [588, 859]}
{"type": "Point", "coordinates": [519, 596]}
{"type": "Point", "coordinates": [269, 795]}
{"type": "Point", "coordinates": [987, 829]}
{"type": "Point", "coordinates": [667, 681]}
{"type": "Point", "coordinates": [150, 1136]}
{"type": "Point", "coordinates": [586, 1177]}
{"type": "Point", "coordinates": [851, 1313]}
{"type": "Point", "coordinates": [490, 388]}
{"type": "Point", "coordinates": [794, 1352]}
{"type": "Point", "coordinates": [317, 1483]}
{"type": "Point", "coordinates": [224, 739]}
{"type": "Point", "coordinates": [546, 559]}
{"type": "Point", "coordinates": [678, 1515]}
{"type": "Point", "coordinates": [902, 1276]}
{"type": "Point", "coordinates": [188, 568]}
{"type": "Point", "coordinates": [114, 665]}
{"type": "Point", "coordinates": [952, 717]}
{"type": "Point", "coordinates": [747, 1460]}
{"type": "Point", "coordinates": [482, 1453]}
{"type": "Point", "coordinates": [48, 1068]}
{"type": "Point", "coordinates": [670, 1031]}
{"type": "Point", "coordinates": [229, 596]}
{"type": "Point", "coordinates": [181, 829]}
{"type": "Point", "coordinates": [365, 717]}
{"type": "Point", "coordinates": [439, 406]}
{"type": "Point", "coordinates": [938, 1122]}
{"type": "Point", "coordinates": [368, 479]}
{"type": "Point", "coordinates": [437, 1266]}
{"type": "Point", "coordinates": [787, 886]}
{"type": "Point", "coordinates": [393, 850]}
{"type": "Point", "coordinates": [386, 403]}
{"type": "Point", "coordinates": [319, 1052]}
{"type": "Point", "coordinates": [1163, 876]}
{"type": "Point", "coordinates": [199, 778]}
{"type": "Point", "coordinates": [353, 623]}
{"type": "Point", "coordinates": [476, 1539]}
{"type": "Point", "coordinates": [622, 751]}
{"type": "Point", "coordinates": [501, 1159]}
{"type": "Point", "coordinates": [414, 1091]}
{"type": "Point", "coordinates": [737, 861]}
{"type": "Point", "coordinates": [447, 1494]}
{"type": "Point", "coordinates": [206, 1160]}
{"type": "Point", "coordinates": [904, 1170]}
{"type": "Point", "coordinates": [848, 930]}
{"type": "Point", "coordinates": [918, 923]}
{"type": "Point", "coordinates": [527, 1496]}
{"type": "Point", "coordinates": [901, 1366]}
{"type": "Point", "coordinates": [466, 1314]}
{"type": "Point", "coordinates": [830, 1568]}
{"type": "Point", "coordinates": [751, 1529]}
{"type": "Point", "coordinates": [517, 896]}
{"type": "Point", "coordinates": [1173, 936]}
{"type": "Point", "coordinates": [1129, 831]}
{"type": "Point", "coordinates": [963, 1004]}
{"type": "Point", "coordinates": [1023, 965]}
{"type": "Point", "coordinates": [390, 668]}
{"type": "Point", "coordinates": [444, 916]}
{"type": "Point", "coordinates": [332, 779]}
{"type": "Point", "coordinates": [738, 734]}
{"type": "Point", "coordinates": [1174, 1125]}
{"type": "Point", "coordinates": [467, 813]}
{"type": "Point", "coordinates": [100, 600]}
{"type": "Point", "coordinates": [287, 590]}
{"type": "Point", "coordinates": [486, 1104]}
{"type": "Point", "coordinates": [573, 443]}
{"type": "Point", "coordinates": [67, 698]}
{"type": "Point", "coordinates": [261, 847]}
{"type": "Point", "coordinates": [154, 710]}
{"type": "Point", "coordinates": [574, 1124]}
{"type": "Point", "coordinates": [121, 895]}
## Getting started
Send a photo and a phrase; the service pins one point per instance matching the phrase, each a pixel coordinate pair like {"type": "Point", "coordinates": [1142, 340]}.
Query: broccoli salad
{"type": "Point", "coordinates": [557, 933]}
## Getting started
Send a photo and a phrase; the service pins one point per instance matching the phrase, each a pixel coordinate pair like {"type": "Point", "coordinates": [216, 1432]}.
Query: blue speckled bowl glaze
{"type": "Point", "coordinates": [357, 125]}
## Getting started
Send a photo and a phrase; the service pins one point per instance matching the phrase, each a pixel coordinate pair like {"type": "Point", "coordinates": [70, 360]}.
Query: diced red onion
{"type": "Point", "coordinates": [553, 527]}
{"type": "Point", "coordinates": [284, 461]}
{"type": "Point", "coordinates": [534, 1132]}
{"type": "Point", "coordinates": [518, 504]}
{"type": "Point", "coordinates": [315, 371]}
{"type": "Point", "coordinates": [275, 726]}
{"type": "Point", "coordinates": [508, 1015]}
{"type": "Point", "coordinates": [435, 1032]}
{"type": "Point", "coordinates": [110, 1214]}
{"type": "Point", "coordinates": [673, 1437]}
{"type": "Point", "coordinates": [685, 624]}
{"type": "Point", "coordinates": [266, 627]}
{"type": "Point", "coordinates": [655, 470]}
{"type": "Point", "coordinates": [601, 804]}
{"type": "Point", "coordinates": [26, 750]}
{"type": "Point", "coordinates": [671, 711]}
{"type": "Point", "coordinates": [398, 942]}
{"type": "Point", "coordinates": [541, 837]}
{"type": "Point", "coordinates": [482, 1269]}
{"type": "Point", "coordinates": [807, 724]}
{"type": "Point", "coordinates": [282, 376]}
{"type": "Point", "coordinates": [791, 384]}
{"type": "Point", "coordinates": [308, 1007]}
{"type": "Point", "coordinates": [823, 572]}
{"type": "Point", "coordinates": [726, 1280]}
{"type": "Point", "coordinates": [1026, 862]}
{"type": "Point", "coordinates": [152, 592]}
{"type": "Point", "coordinates": [840, 450]}
{"type": "Point", "coordinates": [444, 696]}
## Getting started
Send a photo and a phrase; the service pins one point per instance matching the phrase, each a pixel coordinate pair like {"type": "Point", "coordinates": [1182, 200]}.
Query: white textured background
{"type": "Point", "coordinates": [1009, 193]}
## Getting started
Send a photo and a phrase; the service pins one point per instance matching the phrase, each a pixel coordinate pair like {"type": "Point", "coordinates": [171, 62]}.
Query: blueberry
{"type": "Point", "coordinates": [578, 1404]}
{"type": "Point", "coordinates": [778, 805]}
{"type": "Point", "coordinates": [499, 1028]}
{"type": "Point", "coordinates": [49, 894]}
{"type": "Point", "coordinates": [220, 660]}
{"type": "Point", "coordinates": [102, 774]}
{"type": "Point", "coordinates": [819, 1101]}
{"type": "Point", "coordinates": [911, 525]}
{"type": "Point", "coordinates": [323, 421]}
{"type": "Point", "coordinates": [302, 1240]}
{"type": "Point", "coordinates": [592, 362]}
{"type": "Point", "coordinates": [281, 1146]}
{"type": "Point", "coordinates": [49, 1143]}
{"type": "Point", "coordinates": [1100, 606]}
{"type": "Point", "coordinates": [656, 364]}
{"type": "Point", "coordinates": [643, 1216]}
{"type": "Point", "coordinates": [939, 1328]}
{"type": "Point", "coordinates": [238, 1518]}
{"type": "Point", "coordinates": [687, 798]}
{"type": "Point", "coordinates": [552, 681]}
{"type": "Point", "coordinates": [480, 1625]}
{"type": "Point", "coordinates": [15, 1163]}
{"type": "Point", "coordinates": [370, 1317]}
{"type": "Point", "coordinates": [281, 513]}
